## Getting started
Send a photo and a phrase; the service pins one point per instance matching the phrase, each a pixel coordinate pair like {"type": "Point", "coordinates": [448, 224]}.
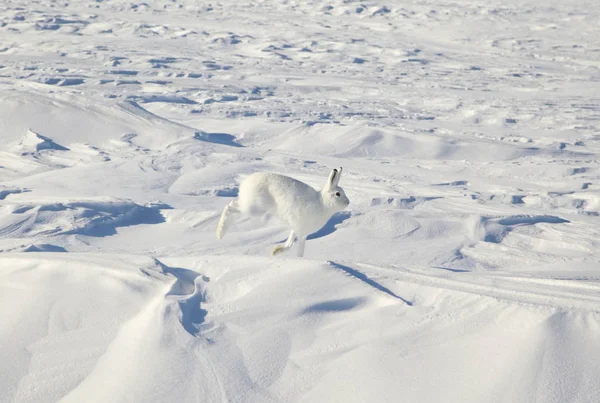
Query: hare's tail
{"type": "Point", "coordinates": [226, 218]}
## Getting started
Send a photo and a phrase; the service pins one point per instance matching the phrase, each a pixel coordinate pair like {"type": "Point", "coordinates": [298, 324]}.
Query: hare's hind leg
{"type": "Point", "coordinates": [225, 220]}
{"type": "Point", "coordinates": [288, 244]}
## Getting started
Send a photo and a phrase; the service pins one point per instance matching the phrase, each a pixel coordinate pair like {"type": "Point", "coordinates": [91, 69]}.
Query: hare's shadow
{"type": "Point", "coordinates": [330, 226]}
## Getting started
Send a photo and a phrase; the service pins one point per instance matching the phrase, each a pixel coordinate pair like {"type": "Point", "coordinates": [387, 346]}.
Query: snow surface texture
{"type": "Point", "coordinates": [466, 268]}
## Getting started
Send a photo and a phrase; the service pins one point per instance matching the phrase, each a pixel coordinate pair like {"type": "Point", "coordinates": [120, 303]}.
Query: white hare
{"type": "Point", "coordinates": [304, 209]}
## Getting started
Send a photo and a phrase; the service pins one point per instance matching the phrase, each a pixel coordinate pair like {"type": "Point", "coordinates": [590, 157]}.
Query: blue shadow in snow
{"type": "Point", "coordinates": [103, 226]}
{"type": "Point", "coordinates": [363, 277]}
{"type": "Point", "coordinates": [336, 305]}
{"type": "Point", "coordinates": [218, 138]}
{"type": "Point", "coordinates": [7, 192]}
{"type": "Point", "coordinates": [531, 220]}
{"type": "Point", "coordinates": [192, 314]}
{"type": "Point", "coordinates": [227, 192]}
{"type": "Point", "coordinates": [329, 227]}
{"type": "Point", "coordinates": [452, 270]}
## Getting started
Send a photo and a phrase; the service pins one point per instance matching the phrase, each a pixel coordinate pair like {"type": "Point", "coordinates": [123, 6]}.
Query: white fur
{"type": "Point", "coordinates": [304, 209]}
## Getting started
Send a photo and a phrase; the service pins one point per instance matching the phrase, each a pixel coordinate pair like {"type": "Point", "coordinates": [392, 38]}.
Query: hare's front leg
{"type": "Point", "coordinates": [301, 243]}
{"type": "Point", "coordinates": [288, 244]}
{"type": "Point", "coordinates": [224, 222]}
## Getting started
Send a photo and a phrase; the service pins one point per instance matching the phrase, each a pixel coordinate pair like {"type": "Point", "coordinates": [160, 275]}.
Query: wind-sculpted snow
{"type": "Point", "coordinates": [33, 142]}
{"type": "Point", "coordinates": [95, 218]}
{"type": "Point", "coordinates": [465, 268]}
{"type": "Point", "coordinates": [5, 192]}
{"type": "Point", "coordinates": [206, 328]}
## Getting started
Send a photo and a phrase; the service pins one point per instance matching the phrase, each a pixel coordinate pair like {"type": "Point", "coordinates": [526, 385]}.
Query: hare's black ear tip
{"type": "Point", "coordinates": [335, 170]}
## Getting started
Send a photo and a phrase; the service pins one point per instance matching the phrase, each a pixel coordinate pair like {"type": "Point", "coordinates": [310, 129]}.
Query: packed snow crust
{"type": "Point", "coordinates": [466, 268]}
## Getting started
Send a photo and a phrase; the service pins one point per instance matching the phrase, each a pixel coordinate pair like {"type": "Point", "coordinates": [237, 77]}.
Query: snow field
{"type": "Point", "coordinates": [465, 268]}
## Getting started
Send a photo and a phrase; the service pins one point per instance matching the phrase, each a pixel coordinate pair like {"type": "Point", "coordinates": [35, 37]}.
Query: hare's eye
{"type": "Point", "coordinates": [337, 194]}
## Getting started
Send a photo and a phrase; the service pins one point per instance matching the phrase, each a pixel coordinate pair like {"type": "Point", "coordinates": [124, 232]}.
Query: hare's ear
{"type": "Point", "coordinates": [333, 179]}
{"type": "Point", "coordinates": [338, 176]}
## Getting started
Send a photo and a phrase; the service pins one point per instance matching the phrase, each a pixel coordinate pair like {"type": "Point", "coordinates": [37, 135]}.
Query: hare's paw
{"type": "Point", "coordinates": [278, 249]}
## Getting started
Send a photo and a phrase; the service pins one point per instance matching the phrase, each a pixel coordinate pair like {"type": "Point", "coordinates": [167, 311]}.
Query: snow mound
{"type": "Point", "coordinates": [33, 142]}
{"type": "Point", "coordinates": [206, 329]}
{"type": "Point", "coordinates": [44, 247]}
{"type": "Point", "coordinates": [95, 218]}
{"type": "Point", "coordinates": [365, 142]}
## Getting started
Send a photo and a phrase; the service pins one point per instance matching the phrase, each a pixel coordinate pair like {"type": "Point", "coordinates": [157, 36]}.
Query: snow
{"type": "Point", "coordinates": [465, 268]}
